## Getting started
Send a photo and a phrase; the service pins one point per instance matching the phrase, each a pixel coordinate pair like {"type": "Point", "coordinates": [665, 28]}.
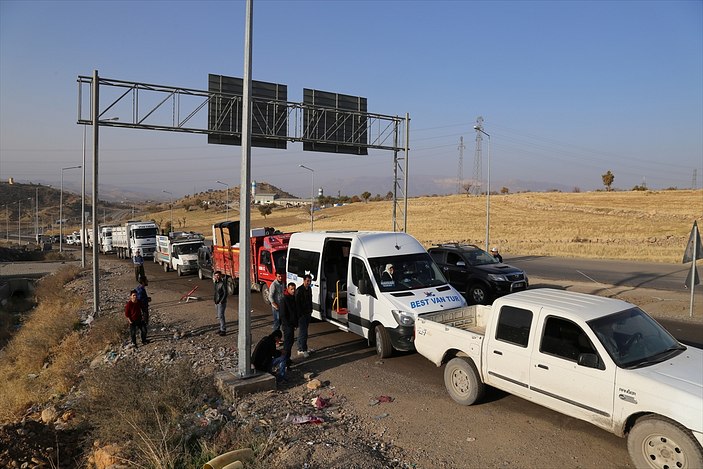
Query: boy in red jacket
{"type": "Point", "coordinates": [133, 313]}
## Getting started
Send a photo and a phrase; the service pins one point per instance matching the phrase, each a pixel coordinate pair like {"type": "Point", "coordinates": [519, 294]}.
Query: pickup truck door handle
{"type": "Point", "coordinates": [544, 367]}
{"type": "Point", "coordinates": [498, 352]}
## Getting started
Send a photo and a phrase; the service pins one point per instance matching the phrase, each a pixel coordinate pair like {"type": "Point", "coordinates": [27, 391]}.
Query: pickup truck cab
{"type": "Point", "coordinates": [597, 359]}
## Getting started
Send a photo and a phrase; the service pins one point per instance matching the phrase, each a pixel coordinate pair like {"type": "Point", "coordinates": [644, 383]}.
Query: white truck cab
{"type": "Point", "coordinates": [352, 286]}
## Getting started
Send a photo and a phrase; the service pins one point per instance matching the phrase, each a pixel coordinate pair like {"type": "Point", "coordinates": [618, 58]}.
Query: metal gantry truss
{"type": "Point", "coordinates": [176, 109]}
{"type": "Point", "coordinates": [157, 107]}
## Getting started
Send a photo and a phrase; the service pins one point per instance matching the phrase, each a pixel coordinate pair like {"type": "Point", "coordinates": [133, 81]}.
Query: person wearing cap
{"type": "Point", "coordinates": [138, 261]}
{"type": "Point", "coordinates": [494, 253]}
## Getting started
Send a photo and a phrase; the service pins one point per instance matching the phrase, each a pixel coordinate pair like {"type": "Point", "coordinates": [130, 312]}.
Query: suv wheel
{"type": "Point", "coordinates": [478, 294]}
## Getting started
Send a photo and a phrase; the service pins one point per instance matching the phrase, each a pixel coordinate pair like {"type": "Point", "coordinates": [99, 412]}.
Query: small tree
{"type": "Point", "coordinates": [265, 210]}
{"type": "Point", "coordinates": [389, 195]}
{"type": "Point", "coordinates": [365, 196]}
{"type": "Point", "coordinates": [467, 188]}
{"type": "Point", "coordinates": [608, 179]}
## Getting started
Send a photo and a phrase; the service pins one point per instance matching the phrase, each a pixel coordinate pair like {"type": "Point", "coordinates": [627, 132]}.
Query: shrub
{"type": "Point", "coordinates": [147, 407]}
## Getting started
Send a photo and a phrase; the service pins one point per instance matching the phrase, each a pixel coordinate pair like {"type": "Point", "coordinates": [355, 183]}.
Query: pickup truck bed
{"type": "Point", "coordinates": [469, 318]}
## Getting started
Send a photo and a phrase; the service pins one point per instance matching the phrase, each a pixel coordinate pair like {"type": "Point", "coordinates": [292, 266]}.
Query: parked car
{"type": "Point", "coordinates": [478, 275]}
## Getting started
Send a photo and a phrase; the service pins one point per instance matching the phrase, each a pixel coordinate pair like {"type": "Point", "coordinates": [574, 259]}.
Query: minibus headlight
{"type": "Point", "coordinates": [403, 318]}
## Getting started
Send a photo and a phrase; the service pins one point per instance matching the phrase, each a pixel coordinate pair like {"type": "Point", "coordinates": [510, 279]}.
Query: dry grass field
{"type": "Point", "coordinates": [646, 226]}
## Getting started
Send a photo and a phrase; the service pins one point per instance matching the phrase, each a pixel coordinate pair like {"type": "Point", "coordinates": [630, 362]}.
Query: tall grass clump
{"type": "Point", "coordinates": [146, 407]}
{"type": "Point", "coordinates": [46, 354]}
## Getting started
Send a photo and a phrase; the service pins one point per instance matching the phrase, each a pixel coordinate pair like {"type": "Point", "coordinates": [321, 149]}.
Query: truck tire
{"type": "Point", "coordinates": [165, 266]}
{"type": "Point", "coordinates": [200, 274]}
{"type": "Point", "coordinates": [179, 271]}
{"type": "Point", "coordinates": [384, 348]}
{"type": "Point", "coordinates": [477, 294]}
{"type": "Point", "coordinates": [265, 293]}
{"type": "Point", "coordinates": [462, 381]}
{"type": "Point", "coordinates": [657, 442]}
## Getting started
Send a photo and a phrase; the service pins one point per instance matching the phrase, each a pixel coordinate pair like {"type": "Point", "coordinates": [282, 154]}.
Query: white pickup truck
{"type": "Point", "coordinates": [597, 359]}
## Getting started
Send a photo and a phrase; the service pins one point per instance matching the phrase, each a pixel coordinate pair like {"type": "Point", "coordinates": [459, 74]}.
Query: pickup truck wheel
{"type": "Point", "coordinates": [478, 294]}
{"type": "Point", "coordinates": [165, 267]}
{"type": "Point", "coordinates": [200, 274]}
{"type": "Point", "coordinates": [179, 271]}
{"type": "Point", "coordinates": [265, 294]}
{"type": "Point", "coordinates": [658, 443]}
{"type": "Point", "coordinates": [462, 381]}
{"type": "Point", "coordinates": [384, 348]}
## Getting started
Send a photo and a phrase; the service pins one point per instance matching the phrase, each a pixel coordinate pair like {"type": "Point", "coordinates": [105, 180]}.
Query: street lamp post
{"type": "Point", "coordinates": [19, 221]}
{"type": "Point", "coordinates": [488, 185]}
{"type": "Point", "coordinates": [312, 195]}
{"type": "Point", "coordinates": [61, 207]}
{"type": "Point", "coordinates": [227, 205]}
{"type": "Point", "coordinates": [36, 217]}
{"type": "Point", "coordinates": [84, 235]}
{"type": "Point", "coordinates": [171, 194]}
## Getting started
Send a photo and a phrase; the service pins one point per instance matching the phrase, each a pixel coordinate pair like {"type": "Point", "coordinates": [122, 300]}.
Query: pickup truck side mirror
{"type": "Point", "coordinates": [590, 360]}
{"type": "Point", "coordinates": [461, 264]}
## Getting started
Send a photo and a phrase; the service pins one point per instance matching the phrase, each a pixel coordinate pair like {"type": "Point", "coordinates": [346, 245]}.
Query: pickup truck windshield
{"type": "Point", "coordinates": [632, 337]}
{"type": "Point", "coordinates": [397, 273]}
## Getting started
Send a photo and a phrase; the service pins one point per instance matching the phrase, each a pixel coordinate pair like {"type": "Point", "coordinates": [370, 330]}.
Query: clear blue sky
{"type": "Point", "coordinates": [567, 90]}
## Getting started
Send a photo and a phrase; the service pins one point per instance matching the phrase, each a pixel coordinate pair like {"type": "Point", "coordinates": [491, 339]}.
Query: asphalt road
{"type": "Point", "coordinates": [609, 272]}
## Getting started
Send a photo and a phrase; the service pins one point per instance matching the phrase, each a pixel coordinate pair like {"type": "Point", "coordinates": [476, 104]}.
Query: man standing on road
{"type": "Point", "coordinates": [289, 318]}
{"type": "Point", "coordinates": [220, 301]}
{"type": "Point", "coordinates": [303, 303]}
{"type": "Point", "coordinates": [144, 299]}
{"type": "Point", "coordinates": [133, 313]}
{"type": "Point", "coordinates": [138, 261]}
{"type": "Point", "coordinates": [276, 299]}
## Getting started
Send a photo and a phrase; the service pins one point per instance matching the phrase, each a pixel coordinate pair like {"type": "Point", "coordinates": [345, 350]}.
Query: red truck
{"type": "Point", "coordinates": [268, 255]}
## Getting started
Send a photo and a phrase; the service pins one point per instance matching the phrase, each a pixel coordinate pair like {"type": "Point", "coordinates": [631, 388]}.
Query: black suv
{"type": "Point", "coordinates": [478, 275]}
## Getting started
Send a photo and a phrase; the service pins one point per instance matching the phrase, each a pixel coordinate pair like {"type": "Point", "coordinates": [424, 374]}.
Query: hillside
{"type": "Point", "coordinates": [647, 226]}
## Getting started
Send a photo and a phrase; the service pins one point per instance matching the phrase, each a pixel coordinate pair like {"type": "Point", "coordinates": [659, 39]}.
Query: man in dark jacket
{"type": "Point", "coordinates": [267, 358]}
{"type": "Point", "coordinates": [220, 301]}
{"type": "Point", "coordinates": [303, 303]}
{"type": "Point", "coordinates": [144, 299]}
{"type": "Point", "coordinates": [289, 317]}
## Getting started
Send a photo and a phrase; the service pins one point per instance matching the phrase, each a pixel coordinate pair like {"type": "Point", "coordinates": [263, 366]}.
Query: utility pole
{"type": "Point", "coordinates": [460, 173]}
{"type": "Point", "coordinates": [478, 172]}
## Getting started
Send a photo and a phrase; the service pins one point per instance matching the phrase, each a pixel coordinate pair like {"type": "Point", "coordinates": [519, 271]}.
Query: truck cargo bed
{"type": "Point", "coordinates": [470, 318]}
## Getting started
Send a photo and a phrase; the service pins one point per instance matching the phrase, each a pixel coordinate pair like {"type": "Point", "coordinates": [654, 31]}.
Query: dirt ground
{"type": "Point", "coordinates": [370, 413]}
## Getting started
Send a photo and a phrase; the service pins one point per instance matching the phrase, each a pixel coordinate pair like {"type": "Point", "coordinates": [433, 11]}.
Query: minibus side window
{"type": "Point", "coordinates": [301, 262]}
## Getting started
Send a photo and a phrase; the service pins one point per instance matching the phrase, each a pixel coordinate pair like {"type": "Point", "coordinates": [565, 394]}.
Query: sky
{"type": "Point", "coordinates": [567, 90]}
